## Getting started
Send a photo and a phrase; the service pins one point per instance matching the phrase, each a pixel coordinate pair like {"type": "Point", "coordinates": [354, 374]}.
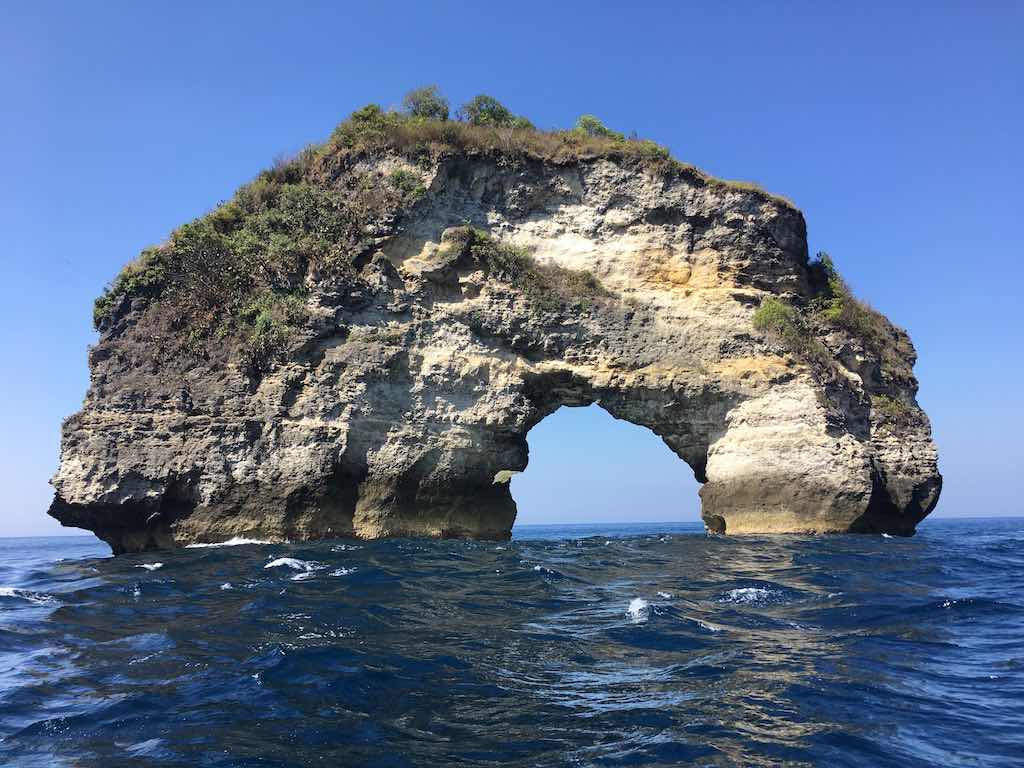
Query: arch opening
{"type": "Point", "coordinates": [589, 467]}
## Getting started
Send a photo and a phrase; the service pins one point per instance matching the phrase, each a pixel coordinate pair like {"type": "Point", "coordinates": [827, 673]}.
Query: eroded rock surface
{"type": "Point", "coordinates": [402, 403]}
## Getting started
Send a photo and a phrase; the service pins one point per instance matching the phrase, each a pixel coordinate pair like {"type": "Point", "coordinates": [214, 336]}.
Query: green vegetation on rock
{"type": "Point", "coordinates": [548, 287]}
{"type": "Point", "coordinates": [229, 279]}
{"type": "Point", "coordinates": [588, 125]}
{"type": "Point", "coordinates": [833, 307]}
{"type": "Point", "coordinates": [236, 274]}
{"type": "Point", "coordinates": [407, 183]}
{"type": "Point", "coordinates": [837, 306]}
{"type": "Point", "coordinates": [785, 322]}
{"type": "Point", "coordinates": [777, 317]}
{"type": "Point", "coordinates": [426, 102]}
{"type": "Point", "coordinates": [487, 127]}
{"type": "Point", "coordinates": [892, 412]}
{"type": "Point", "coordinates": [487, 110]}
{"type": "Point", "coordinates": [143, 277]}
{"type": "Point", "coordinates": [272, 318]}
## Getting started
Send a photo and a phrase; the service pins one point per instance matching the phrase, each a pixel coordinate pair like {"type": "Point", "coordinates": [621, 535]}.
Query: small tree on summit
{"type": "Point", "coordinates": [487, 110]}
{"type": "Point", "coordinates": [426, 102]}
{"type": "Point", "coordinates": [591, 126]}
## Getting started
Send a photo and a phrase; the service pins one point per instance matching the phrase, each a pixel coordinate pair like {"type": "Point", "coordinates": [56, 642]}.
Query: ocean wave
{"type": "Point", "coordinates": [36, 598]}
{"type": "Point", "coordinates": [639, 610]}
{"type": "Point", "coordinates": [306, 568]}
{"type": "Point", "coordinates": [294, 563]}
{"type": "Point", "coordinates": [754, 595]}
{"type": "Point", "coordinates": [150, 566]}
{"type": "Point", "coordinates": [762, 651]}
{"type": "Point", "coordinates": [235, 541]}
{"type": "Point", "coordinates": [710, 627]}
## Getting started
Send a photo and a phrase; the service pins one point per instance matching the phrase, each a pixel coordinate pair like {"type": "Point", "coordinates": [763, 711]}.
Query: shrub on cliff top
{"type": "Point", "coordinates": [485, 126]}
{"type": "Point", "coordinates": [231, 276]}
{"type": "Point", "coordinates": [589, 125]}
{"type": "Point", "coordinates": [426, 102]}
{"type": "Point", "coordinates": [487, 110]}
{"type": "Point", "coordinates": [371, 130]}
{"type": "Point", "coordinates": [143, 277]}
{"type": "Point", "coordinates": [802, 328]}
{"type": "Point", "coordinates": [837, 306]}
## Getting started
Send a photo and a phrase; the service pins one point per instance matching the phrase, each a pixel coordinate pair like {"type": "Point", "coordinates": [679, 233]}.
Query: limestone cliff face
{"type": "Point", "coordinates": [401, 403]}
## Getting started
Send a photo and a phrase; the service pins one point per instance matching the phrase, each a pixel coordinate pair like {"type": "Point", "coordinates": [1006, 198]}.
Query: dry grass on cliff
{"type": "Point", "coordinates": [371, 130]}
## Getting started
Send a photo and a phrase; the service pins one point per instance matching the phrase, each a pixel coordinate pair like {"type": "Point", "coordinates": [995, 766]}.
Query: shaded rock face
{"type": "Point", "coordinates": [404, 407]}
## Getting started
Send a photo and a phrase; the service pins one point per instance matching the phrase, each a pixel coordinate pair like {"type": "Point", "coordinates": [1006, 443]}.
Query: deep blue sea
{"type": "Point", "coordinates": [605, 645]}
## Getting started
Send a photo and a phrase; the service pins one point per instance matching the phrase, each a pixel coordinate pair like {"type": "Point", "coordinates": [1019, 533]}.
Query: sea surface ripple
{"type": "Point", "coordinates": [602, 645]}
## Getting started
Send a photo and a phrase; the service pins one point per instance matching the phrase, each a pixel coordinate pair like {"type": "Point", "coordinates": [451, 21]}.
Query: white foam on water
{"type": "Point", "coordinates": [150, 566]}
{"type": "Point", "coordinates": [32, 597]}
{"type": "Point", "coordinates": [802, 627]}
{"type": "Point", "coordinates": [746, 595]}
{"type": "Point", "coordinates": [664, 595]}
{"type": "Point", "coordinates": [886, 536]}
{"type": "Point", "coordinates": [537, 568]}
{"type": "Point", "coordinates": [143, 659]}
{"type": "Point", "coordinates": [638, 610]}
{"type": "Point", "coordinates": [226, 585]}
{"type": "Point", "coordinates": [345, 547]}
{"type": "Point", "coordinates": [708, 627]}
{"type": "Point", "coordinates": [234, 541]}
{"type": "Point", "coordinates": [293, 563]}
{"type": "Point", "coordinates": [306, 568]}
{"type": "Point", "coordinates": [143, 748]}
{"type": "Point", "coordinates": [325, 634]}
{"type": "Point", "coordinates": [342, 571]}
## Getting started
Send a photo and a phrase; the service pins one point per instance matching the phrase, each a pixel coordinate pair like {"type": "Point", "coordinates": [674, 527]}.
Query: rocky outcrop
{"type": "Point", "coordinates": [491, 289]}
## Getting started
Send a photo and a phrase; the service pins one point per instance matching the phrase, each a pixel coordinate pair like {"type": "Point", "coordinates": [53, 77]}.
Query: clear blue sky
{"type": "Point", "coordinates": [896, 127]}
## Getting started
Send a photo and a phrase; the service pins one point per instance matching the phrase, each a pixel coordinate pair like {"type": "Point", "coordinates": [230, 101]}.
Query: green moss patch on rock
{"type": "Point", "coordinates": [547, 287]}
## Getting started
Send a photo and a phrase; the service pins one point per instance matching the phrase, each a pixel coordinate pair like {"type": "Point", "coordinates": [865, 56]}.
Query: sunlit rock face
{"type": "Point", "coordinates": [403, 403]}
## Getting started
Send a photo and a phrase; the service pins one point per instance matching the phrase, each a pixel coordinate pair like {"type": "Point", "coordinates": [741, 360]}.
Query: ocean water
{"type": "Point", "coordinates": [593, 646]}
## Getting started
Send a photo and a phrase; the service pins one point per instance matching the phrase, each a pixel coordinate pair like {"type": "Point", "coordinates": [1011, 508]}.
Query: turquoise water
{"type": "Point", "coordinates": [580, 645]}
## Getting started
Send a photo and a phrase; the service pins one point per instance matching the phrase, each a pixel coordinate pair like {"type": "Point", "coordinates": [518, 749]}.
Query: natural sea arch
{"type": "Point", "coordinates": [587, 467]}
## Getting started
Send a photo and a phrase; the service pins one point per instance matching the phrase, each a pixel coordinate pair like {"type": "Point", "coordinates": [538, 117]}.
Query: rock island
{"type": "Point", "coordinates": [359, 341]}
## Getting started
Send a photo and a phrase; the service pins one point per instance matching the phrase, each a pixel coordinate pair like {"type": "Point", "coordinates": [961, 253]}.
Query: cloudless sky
{"type": "Point", "coordinates": [896, 127]}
